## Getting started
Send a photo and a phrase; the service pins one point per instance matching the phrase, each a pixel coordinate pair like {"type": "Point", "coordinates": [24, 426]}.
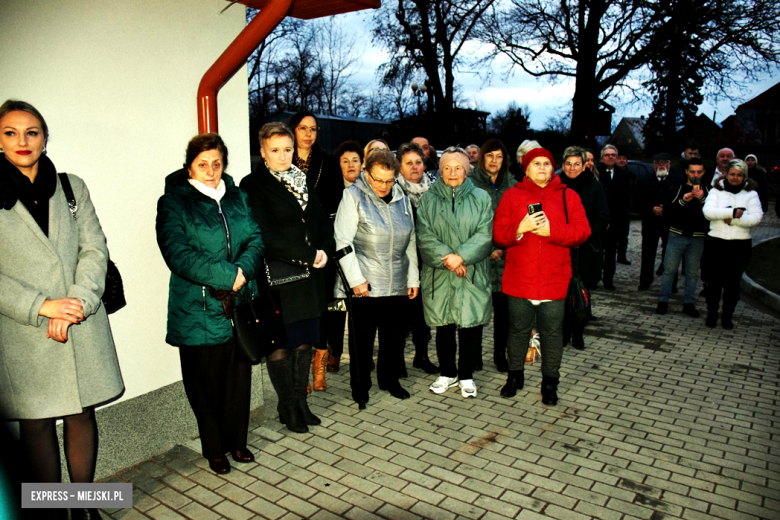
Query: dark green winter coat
{"type": "Point", "coordinates": [193, 240]}
{"type": "Point", "coordinates": [482, 180]}
{"type": "Point", "coordinates": [455, 220]}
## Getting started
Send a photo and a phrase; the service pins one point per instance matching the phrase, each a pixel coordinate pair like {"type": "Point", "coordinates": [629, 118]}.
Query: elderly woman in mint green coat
{"type": "Point", "coordinates": [454, 236]}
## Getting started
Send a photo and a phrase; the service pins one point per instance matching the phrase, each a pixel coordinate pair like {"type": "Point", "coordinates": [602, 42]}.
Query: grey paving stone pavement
{"type": "Point", "coordinates": [659, 418]}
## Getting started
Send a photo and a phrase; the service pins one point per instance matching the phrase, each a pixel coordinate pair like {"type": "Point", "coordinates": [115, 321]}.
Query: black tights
{"type": "Point", "coordinates": [282, 353]}
{"type": "Point", "coordinates": [42, 451]}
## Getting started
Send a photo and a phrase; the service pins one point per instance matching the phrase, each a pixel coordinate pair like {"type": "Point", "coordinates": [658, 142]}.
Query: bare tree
{"type": "Point", "coordinates": [601, 44]}
{"type": "Point", "coordinates": [596, 43]}
{"type": "Point", "coordinates": [429, 35]}
{"type": "Point", "coordinates": [339, 60]}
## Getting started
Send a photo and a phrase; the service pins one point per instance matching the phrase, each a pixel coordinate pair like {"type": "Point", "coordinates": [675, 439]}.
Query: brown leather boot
{"type": "Point", "coordinates": [318, 363]}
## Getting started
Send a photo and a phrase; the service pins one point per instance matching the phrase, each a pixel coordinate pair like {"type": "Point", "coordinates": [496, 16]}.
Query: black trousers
{"type": "Point", "coordinates": [651, 233]}
{"type": "Point", "coordinates": [470, 340]}
{"type": "Point", "coordinates": [621, 232]}
{"type": "Point", "coordinates": [332, 332]}
{"type": "Point", "coordinates": [500, 321]}
{"type": "Point", "coordinates": [420, 330]}
{"type": "Point", "coordinates": [610, 241]}
{"type": "Point", "coordinates": [218, 388]}
{"type": "Point", "coordinates": [386, 314]}
{"type": "Point", "coordinates": [731, 258]}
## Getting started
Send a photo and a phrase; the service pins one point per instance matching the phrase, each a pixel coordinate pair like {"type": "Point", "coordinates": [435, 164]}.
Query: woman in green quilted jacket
{"type": "Point", "coordinates": [455, 239]}
{"type": "Point", "coordinates": [211, 243]}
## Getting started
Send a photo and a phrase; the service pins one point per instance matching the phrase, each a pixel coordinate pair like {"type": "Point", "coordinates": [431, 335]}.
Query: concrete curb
{"type": "Point", "coordinates": [758, 292]}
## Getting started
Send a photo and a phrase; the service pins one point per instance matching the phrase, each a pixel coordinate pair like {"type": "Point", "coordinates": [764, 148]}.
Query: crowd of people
{"type": "Point", "coordinates": [392, 243]}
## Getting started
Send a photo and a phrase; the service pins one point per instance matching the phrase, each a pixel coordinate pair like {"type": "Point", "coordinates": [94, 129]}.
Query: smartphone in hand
{"type": "Point", "coordinates": [534, 208]}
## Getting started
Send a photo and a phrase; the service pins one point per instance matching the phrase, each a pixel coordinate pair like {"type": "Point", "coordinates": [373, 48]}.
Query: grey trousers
{"type": "Point", "coordinates": [547, 317]}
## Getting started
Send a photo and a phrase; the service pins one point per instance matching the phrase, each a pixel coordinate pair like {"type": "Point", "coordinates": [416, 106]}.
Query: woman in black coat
{"type": "Point", "coordinates": [297, 232]}
{"type": "Point", "coordinates": [324, 173]}
{"type": "Point", "coordinates": [589, 257]}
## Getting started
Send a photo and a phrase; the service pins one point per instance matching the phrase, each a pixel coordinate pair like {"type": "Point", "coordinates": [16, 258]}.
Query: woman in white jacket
{"type": "Point", "coordinates": [732, 208]}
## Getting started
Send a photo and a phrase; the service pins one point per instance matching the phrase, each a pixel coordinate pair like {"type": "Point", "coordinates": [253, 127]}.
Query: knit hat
{"type": "Point", "coordinates": [751, 155]}
{"type": "Point", "coordinates": [533, 154]}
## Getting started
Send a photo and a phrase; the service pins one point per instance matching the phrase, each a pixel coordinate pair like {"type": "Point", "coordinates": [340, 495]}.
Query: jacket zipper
{"type": "Point", "coordinates": [227, 231]}
{"type": "Point", "coordinates": [392, 232]}
{"type": "Point", "coordinates": [204, 297]}
{"type": "Point", "coordinates": [453, 201]}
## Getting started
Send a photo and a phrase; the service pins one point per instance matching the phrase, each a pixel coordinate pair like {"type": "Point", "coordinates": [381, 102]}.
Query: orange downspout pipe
{"type": "Point", "coordinates": [234, 58]}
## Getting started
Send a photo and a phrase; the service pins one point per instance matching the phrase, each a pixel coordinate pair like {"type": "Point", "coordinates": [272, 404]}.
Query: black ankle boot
{"type": "Point", "coordinates": [712, 319]}
{"type": "Point", "coordinates": [549, 390]}
{"type": "Point", "coordinates": [514, 382]}
{"type": "Point", "coordinates": [422, 361]}
{"type": "Point", "coordinates": [499, 358]}
{"type": "Point", "coordinates": [395, 389]}
{"type": "Point", "coordinates": [281, 377]}
{"type": "Point", "coordinates": [577, 341]}
{"type": "Point", "coordinates": [301, 363]}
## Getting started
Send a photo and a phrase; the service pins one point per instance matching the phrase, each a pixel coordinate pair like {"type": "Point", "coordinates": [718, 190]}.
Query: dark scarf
{"type": "Point", "coordinates": [15, 186]}
{"type": "Point", "coordinates": [578, 183]}
{"type": "Point", "coordinates": [733, 189]}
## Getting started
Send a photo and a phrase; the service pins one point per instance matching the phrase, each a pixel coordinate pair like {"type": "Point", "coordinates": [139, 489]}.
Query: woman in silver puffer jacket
{"type": "Point", "coordinates": [375, 219]}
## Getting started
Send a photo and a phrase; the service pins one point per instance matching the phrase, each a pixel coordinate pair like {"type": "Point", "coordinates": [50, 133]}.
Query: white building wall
{"type": "Point", "coordinates": [117, 84]}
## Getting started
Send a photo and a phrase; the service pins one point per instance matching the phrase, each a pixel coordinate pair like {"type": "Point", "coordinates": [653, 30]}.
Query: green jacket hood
{"type": "Point", "coordinates": [444, 191]}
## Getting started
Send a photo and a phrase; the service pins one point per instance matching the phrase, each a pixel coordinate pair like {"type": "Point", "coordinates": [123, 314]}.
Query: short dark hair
{"type": "Point", "coordinates": [409, 147]}
{"type": "Point", "coordinates": [203, 143]}
{"type": "Point", "coordinates": [383, 158]}
{"type": "Point", "coordinates": [493, 145]}
{"type": "Point", "coordinates": [269, 130]}
{"type": "Point", "coordinates": [296, 119]}
{"type": "Point", "coordinates": [348, 146]}
{"type": "Point", "coordinates": [13, 105]}
{"type": "Point", "coordinates": [696, 160]}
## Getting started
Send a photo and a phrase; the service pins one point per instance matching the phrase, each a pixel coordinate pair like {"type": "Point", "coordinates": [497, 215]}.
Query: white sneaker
{"type": "Point", "coordinates": [467, 388]}
{"type": "Point", "coordinates": [442, 384]}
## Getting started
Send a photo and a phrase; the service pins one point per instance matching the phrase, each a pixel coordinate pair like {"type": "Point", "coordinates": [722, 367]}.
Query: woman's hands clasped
{"type": "Point", "coordinates": [454, 263]}
{"type": "Point", "coordinates": [62, 313]}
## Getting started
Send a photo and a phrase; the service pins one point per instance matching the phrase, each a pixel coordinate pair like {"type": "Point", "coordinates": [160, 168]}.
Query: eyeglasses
{"type": "Point", "coordinates": [383, 183]}
{"type": "Point", "coordinates": [308, 129]}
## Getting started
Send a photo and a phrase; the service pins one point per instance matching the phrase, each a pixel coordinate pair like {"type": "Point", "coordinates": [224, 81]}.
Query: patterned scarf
{"type": "Point", "coordinates": [412, 190]}
{"type": "Point", "coordinates": [295, 182]}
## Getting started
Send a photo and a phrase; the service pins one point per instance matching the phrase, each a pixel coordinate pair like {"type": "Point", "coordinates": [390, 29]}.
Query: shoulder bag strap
{"type": "Point", "coordinates": [65, 182]}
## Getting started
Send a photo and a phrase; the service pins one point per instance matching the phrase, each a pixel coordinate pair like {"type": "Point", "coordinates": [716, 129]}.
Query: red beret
{"type": "Point", "coordinates": [533, 154]}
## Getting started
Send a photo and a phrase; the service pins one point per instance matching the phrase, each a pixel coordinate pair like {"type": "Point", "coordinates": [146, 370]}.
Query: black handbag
{"type": "Point", "coordinates": [258, 328]}
{"type": "Point", "coordinates": [278, 272]}
{"type": "Point", "coordinates": [577, 308]}
{"type": "Point", "coordinates": [114, 293]}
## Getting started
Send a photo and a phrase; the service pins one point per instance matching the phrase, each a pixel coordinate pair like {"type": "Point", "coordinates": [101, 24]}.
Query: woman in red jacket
{"type": "Point", "coordinates": [538, 265]}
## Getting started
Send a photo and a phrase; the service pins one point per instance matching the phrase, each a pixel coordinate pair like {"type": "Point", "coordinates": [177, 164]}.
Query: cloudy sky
{"type": "Point", "coordinates": [543, 99]}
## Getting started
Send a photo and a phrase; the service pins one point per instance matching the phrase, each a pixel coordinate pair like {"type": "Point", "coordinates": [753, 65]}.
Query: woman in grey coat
{"type": "Point", "coordinates": [57, 355]}
{"type": "Point", "coordinates": [375, 220]}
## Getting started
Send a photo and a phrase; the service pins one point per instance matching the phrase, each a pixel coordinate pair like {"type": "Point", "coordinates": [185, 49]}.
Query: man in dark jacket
{"type": "Point", "coordinates": [687, 228]}
{"type": "Point", "coordinates": [652, 195]}
{"type": "Point", "coordinates": [617, 184]}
